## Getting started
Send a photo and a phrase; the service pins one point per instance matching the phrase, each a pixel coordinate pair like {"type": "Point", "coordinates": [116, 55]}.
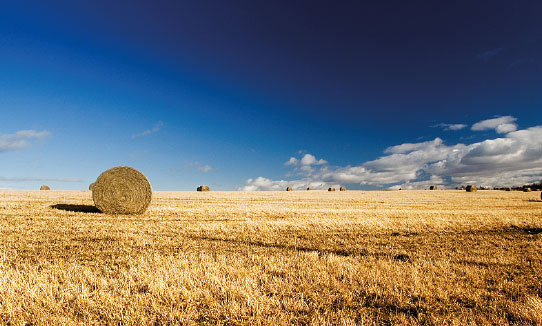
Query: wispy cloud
{"type": "Point", "coordinates": [487, 55]}
{"type": "Point", "coordinates": [20, 139]}
{"type": "Point", "coordinates": [34, 179]}
{"type": "Point", "coordinates": [522, 62]}
{"type": "Point", "coordinates": [514, 159]}
{"type": "Point", "coordinates": [502, 125]}
{"type": "Point", "coordinates": [151, 131]}
{"type": "Point", "coordinates": [450, 126]}
{"type": "Point", "coordinates": [203, 168]}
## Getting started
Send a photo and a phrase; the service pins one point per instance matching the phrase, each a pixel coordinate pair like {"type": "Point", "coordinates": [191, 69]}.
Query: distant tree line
{"type": "Point", "coordinates": [534, 187]}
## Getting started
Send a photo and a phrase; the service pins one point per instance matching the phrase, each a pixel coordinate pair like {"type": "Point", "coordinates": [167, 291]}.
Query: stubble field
{"type": "Point", "coordinates": [302, 257]}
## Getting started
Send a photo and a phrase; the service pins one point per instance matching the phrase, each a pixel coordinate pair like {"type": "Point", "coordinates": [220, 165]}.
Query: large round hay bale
{"type": "Point", "coordinates": [471, 188]}
{"type": "Point", "coordinates": [122, 190]}
{"type": "Point", "coordinates": [90, 186]}
{"type": "Point", "coordinates": [203, 188]}
{"type": "Point", "coordinates": [289, 189]}
{"type": "Point", "coordinates": [342, 189]}
{"type": "Point", "coordinates": [433, 188]}
{"type": "Point", "coordinates": [309, 188]}
{"type": "Point", "coordinates": [527, 189]}
{"type": "Point", "coordinates": [331, 189]}
{"type": "Point", "coordinates": [45, 187]}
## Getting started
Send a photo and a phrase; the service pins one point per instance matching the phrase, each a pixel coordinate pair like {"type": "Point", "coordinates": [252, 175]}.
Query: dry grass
{"type": "Point", "coordinates": [406, 257]}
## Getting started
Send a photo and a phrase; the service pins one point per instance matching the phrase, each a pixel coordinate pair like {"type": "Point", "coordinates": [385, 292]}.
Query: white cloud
{"type": "Point", "coordinates": [151, 131]}
{"type": "Point", "coordinates": [18, 140]}
{"type": "Point", "coordinates": [309, 159]}
{"type": "Point", "coordinates": [204, 168]}
{"type": "Point", "coordinates": [306, 161]}
{"type": "Point", "coordinates": [451, 126]}
{"type": "Point", "coordinates": [409, 147]}
{"type": "Point", "coordinates": [502, 125]}
{"type": "Point", "coordinates": [261, 183]}
{"type": "Point", "coordinates": [291, 161]}
{"type": "Point", "coordinates": [514, 159]}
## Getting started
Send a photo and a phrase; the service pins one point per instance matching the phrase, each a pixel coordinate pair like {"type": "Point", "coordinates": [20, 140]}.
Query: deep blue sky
{"type": "Point", "coordinates": [217, 92]}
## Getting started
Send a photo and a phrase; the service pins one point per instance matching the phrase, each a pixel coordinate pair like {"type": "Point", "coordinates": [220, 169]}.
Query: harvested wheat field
{"type": "Point", "coordinates": [388, 257]}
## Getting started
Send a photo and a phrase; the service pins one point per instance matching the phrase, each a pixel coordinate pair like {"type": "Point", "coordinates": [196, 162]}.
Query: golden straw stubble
{"type": "Point", "coordinates": [122, 190]}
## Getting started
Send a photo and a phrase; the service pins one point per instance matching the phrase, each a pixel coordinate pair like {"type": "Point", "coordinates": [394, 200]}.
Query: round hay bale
{"type": "Point", "coordinates": [289, 189]}
{"type": "Point", "coordinates": [331, 189]}
{"type": "Point", "coordinates": [508, 189]}
{"type": "Point", "coordinates": [342, 189]}
{"type": "Point", "coordinates": [122, 190]}
{"type": "Point", "coordinates": [527, 189]}
{"type": "Point", "coordinates": [433, 188]}
{"type": "Point", "coordinates": [90, 186]}
{"type": "Point", "coordinates": [203, 188]}
{"type": "Point", "coordinates": [471, 188]}
{"type": "Point", "coordinates": [45, 187]}
{"type": "Point", "coordinates": [309, 188]}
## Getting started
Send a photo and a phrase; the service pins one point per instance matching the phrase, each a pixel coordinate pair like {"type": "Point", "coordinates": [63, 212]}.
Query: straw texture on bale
{"type": "Point", "coordinates": [309, 188]}
{"type": "Point", "coordinates": [527, 189]}
{"type": "Point", "coordinates": [289, 189]}
{"type": "Point", "coordinates": [203, 188]}
{"type": "Point", "coordinates": [331, 189]}
{"type": "Point", "coordinates": [122, 190]}
{"type": "Point", "coordinates": [44, 187]}
{"type": "Point", "coordinates": [90, 186]}
{"type": "Point", "coordinates": [471, 188]}
{"type": "Point", "coordinates": [342, 189]}
{"type": "Point", "coordinates": [433, 188]}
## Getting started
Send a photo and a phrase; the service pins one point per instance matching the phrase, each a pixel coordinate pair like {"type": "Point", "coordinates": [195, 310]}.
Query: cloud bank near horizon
{"type": "Point", "coordinates": [514, 159]}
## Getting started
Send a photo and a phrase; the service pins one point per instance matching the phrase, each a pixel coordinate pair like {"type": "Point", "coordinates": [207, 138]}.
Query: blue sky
{"type": "Point", "coordinates": [259, 95]}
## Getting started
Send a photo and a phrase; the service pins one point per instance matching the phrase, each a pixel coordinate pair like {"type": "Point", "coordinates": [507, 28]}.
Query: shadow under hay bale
{"type": "Point", "coordinates": [122, 190]}
{"type": "Point", "coordinates": [45, 187]}
{"type": "Point", "coordinates": [471, 188]}
{"type": "Point", "coordinates": [203, 188]}
{"type": "Point", "coordinates": [76, 208]}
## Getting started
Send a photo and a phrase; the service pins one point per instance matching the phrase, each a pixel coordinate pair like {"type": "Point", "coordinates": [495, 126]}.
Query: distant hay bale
{"type": "Point", "coordinates": [203, 188]}
{"type": "Point", "coordinates": [342, 189]}
{"type": "Point", "coordinates": [508, 189]}
{"type": "Point", "coordinates": [289, 189]}
{"type": "Point", "coordinates": [471, 188]}
{"type": "Point", "coordinates": [45, 187]}
{"type": "Point", "coordinates": [527, 189]}
{"type": "Point", "coordinates": [309, 188]}
{"type": "Point", "coordinates": [122, 190]}
{"type": "Point", "coordinates": [90, 186]}
{"type": "Point", "coordinates": [433, 188]}
{"type": "Point", "coordinates": [331, 189]}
